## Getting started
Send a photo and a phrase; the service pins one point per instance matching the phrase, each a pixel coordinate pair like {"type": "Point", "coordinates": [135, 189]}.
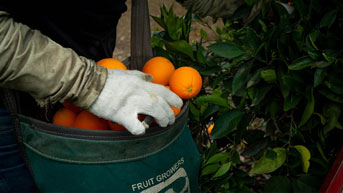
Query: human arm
{"type": "Point", "coordinates": [33, 63]}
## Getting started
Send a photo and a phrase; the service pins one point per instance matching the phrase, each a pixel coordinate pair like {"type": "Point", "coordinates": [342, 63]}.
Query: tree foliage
{"type": "Point", "coordinates": [273, 88]}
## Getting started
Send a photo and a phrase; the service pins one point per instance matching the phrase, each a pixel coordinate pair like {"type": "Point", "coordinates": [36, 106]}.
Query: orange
{"type": "Point", "coordinates": [72, 107]}
{"type": "Point", "coordinates": [111, 63]}
{"type": "Point", "coordinates": [186, 82]}
{"type": "Point", "coordinates": [87, 120]}
{"type": "Point", "coordinates": [141, 117]}
{"type": "Point", "coordinates": [64, 117]}
{"type": "Point", "coordinates": [160, 68]}
{"type": "Point", "coordinates": [176, 110]}
{"type": "Point", "coordinates": [210, 128]}
{"type": "Point", "coordinates": [116, 126]}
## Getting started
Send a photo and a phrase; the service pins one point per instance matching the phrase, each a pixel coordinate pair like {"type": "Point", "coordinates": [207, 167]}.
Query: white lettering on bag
{"type": "Point", "coordinates": [164, 182]}
{"type": "Point", "coordinates": [167, 185]}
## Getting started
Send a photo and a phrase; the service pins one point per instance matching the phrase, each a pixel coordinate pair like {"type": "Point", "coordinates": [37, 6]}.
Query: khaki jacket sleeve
{"type": "Point", "coordinates": [33, 63]}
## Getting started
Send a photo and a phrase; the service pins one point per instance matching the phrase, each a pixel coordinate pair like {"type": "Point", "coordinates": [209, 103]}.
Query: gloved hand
{"type": "Point", "coordinates": [129, 93]}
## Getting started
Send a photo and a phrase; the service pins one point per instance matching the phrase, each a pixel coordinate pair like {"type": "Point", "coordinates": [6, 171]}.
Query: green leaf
{"type": "Point", "coordinates": [335, 84]}
{"type": "Point", "coordinates": [186, 22]}
{"type": "Point", "coordinates": [313, 54]}
{"type": "Point", "coordinates": [181, 46]}
{"type": "Point", "coordinates": [268, 75]}
{"type": "Point", "coordinates": [172, 22]}
{"type": "Point", "coordinates": [319, 76]}
{"type": "Point", "coordinates": [283, 49]}
{"type": "Point", "coordinates": [337, 89]}
{"type": "Point", "coordinates": [278, 184]}
{"type": "Point", "coordinates": [330, 55]}
{"type": "Point", "coordinates": [200, 54]}
{"type": "Point", "coordinates": [207, 71]}
{"type": "Point", "coordinates": [211, 151]}
{"type": "Point", "coordinates": [265, 165]}
{"type": "Point", "coordinates": [321, 117]}
{"type": "Point", "coordinates": [159, 21]}
{"type": "Point", "coordinates": [298, 32]}
{"type": "Point", "coordinates": [291, 101]}
{"type": "Point", "coordinates": [272, 108]}
{"type": "Point", "coordinates": [242, 126]}
{"type": "Point", "coordinates": [260, 95]}
{"type": "Point", "coordinates": [203, 34]}
{"type": "Point", "coordinates": [263, 25]}
{"type": "Point", "coordinates": [309, 107]}
{"type": "Point", "coordinates": [194, 112]}
{"type": "Point", "coordinates": [222, 170]}
{"type": "Point", "coordinates": [321, 64]}
{"type": "Point", "coordinates": [284, 82]}
{"type": "Point", "coordinates": [212, 99]}
{"type": "Point", "coordinates": [301, 7]}
{"type": "Point", "coordinates": [226, 123]}
{"type": "Point", "coordinates": [301, 63]}
{"type": "Point", "coordinates": [226, 50]}
{"type": "Point", "coordinates": [217, 92]}
{"type": "Point", "coordinates": [252, 39]}
{"type": "Point", "coordinates": [218, 158]}
{"type": "Point", "coordinates": [306, 184]}
{"type": "Point", "coordinates": [328, 19]}
{"type": "Point", "coordinates": [305, 156]}
{"type": "Point", "coordinates": [321, 151]}
{"type": "Point", "coordinates": [313, 36]}
{"type": "Point", "coordinates": [328, 94]}
{"type": "Point", "coordinates": [270, 154]}
{"type": "Point", "coordinates": [255, 78]}
{"type": "Point", "coordinates": [332, 112]}
{"type": "Point", "coordinates": [241, 77]}
{"type": "Point", "coordinates": [210, 110]}
{"type": "Point", "coordinates": [210, 169]}
{"type": "Point", "coordinates": [256, 147]}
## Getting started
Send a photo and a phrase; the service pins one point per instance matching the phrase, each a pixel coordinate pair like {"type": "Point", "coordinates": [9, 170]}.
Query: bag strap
{"type": "Point", "coordinates": [10, 98]}
{"type": "Point", "coordinates": [141, 49]}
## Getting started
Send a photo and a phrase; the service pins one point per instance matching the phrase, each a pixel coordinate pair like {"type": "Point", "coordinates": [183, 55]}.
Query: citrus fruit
{"type": "Point", "coordinates": [175, 109]}
{"type": "Point", "coordinates": [160, 68]}
{"type": "Point", "coordinates": [111, 63]}
{"type": "Point", "coordinates": [72, 107]}
{"type": "Point", "coordinates": [186, 82]}
{"type": "Point", "coordinates": [116, 126]}
{"type": "Point", "coordinates": [210, 128]}
{"type": "Point", "coordinates": [64, 117]}
{"type": "Point", "coordinates": [87, 120]}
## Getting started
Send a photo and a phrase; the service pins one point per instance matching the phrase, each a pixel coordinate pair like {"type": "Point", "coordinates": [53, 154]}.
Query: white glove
{"type": "Point", "coordinates": [129, 93]}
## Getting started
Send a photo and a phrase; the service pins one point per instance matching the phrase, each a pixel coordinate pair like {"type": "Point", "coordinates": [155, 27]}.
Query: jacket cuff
{"type": "Point", "coordinates": [91, 91]}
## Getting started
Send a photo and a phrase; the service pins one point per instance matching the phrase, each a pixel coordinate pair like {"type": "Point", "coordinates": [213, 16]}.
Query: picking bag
{"type": "Point", "coordinates": [64, 159]}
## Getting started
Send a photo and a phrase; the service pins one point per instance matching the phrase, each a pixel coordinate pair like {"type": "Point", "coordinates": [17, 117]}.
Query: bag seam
{"type": "Point", "coordinates": [108, 161]}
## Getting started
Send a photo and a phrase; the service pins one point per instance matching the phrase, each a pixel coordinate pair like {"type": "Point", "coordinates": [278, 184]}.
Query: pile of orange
{"type": "Point", "coordinates": [185, 81]}
{"type": "Point", "coordinates": [73, 116]}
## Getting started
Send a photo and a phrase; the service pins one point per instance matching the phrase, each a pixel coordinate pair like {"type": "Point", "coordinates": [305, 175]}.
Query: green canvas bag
{"type": "Point", "coordinates": [64, 159]}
